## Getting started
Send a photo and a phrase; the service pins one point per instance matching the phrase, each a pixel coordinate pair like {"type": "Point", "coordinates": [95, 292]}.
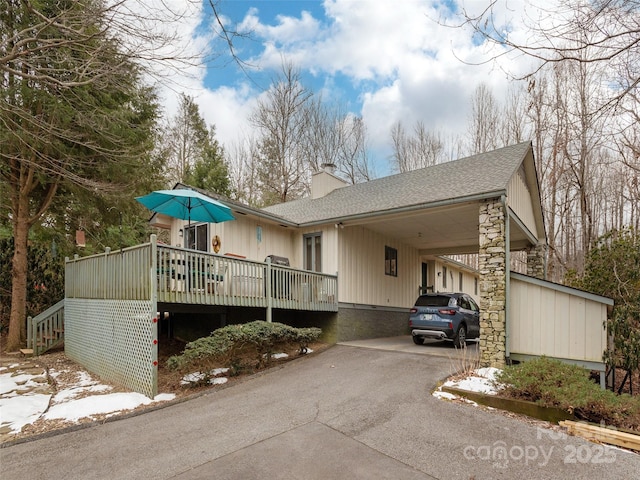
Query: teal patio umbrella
{"type": "Point", "coordinates": [187, 205]}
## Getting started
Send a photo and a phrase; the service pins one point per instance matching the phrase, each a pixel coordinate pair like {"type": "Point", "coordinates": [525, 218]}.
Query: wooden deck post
{"type": "Point", "coordinates": [268, 287]}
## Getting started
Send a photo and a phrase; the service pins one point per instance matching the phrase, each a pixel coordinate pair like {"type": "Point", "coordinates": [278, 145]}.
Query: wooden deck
{"type": "Point", "coordinates": [172, 275]}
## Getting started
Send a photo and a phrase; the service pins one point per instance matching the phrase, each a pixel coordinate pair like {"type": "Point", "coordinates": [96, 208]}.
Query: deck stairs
{"type": "Point", "coordinates": [45, 331]}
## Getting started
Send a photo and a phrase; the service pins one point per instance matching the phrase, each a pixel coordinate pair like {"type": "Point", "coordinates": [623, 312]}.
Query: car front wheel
{"type": "Point", "coordinates": [417, 340]}
{"type": "Point", "coordinates": [460, 340]}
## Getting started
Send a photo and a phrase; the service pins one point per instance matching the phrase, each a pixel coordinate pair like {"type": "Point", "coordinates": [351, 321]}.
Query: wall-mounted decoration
{"type": "Point", "coordinates": [216, 243]}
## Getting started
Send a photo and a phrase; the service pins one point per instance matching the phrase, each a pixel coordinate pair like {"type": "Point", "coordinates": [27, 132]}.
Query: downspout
{"type": "Point", "coordinates": [507, 270]}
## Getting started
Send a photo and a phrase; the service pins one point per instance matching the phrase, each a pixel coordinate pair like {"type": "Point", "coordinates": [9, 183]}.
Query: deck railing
{"type": "Point", "coordinates": [46, 330]}
{"type": "Point", "coordinates": [178, 275]}
{"type": "Point", "coordinates": [120, 274]}
{"type": "Point", "coordinates": [190, 276]}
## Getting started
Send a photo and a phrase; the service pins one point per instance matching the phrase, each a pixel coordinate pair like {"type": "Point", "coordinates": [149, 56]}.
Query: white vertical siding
{"type": "Point", "coordinates": [552, 321]}
{"type": "Point", "coordinates": [361, 276]}
{"type": "Point", "coordinates": [520, 201]}
{"type": "Point", "coordinates": [240, 237]}
{"type": "Point", "coordinates": [453, 279]}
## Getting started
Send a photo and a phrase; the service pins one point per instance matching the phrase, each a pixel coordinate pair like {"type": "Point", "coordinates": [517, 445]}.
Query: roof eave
{"type": "Point", "coordinates": [407, 209]}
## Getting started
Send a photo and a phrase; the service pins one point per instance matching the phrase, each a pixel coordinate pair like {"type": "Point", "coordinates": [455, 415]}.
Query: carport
{"type": "Point", "coordinates": [497, 211]}
{"type": "Point", "coordinates": [488, 205]}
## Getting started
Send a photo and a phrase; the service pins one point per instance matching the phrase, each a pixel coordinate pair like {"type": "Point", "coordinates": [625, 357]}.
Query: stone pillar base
{"type": "Point", "coordinates": [493, 283]}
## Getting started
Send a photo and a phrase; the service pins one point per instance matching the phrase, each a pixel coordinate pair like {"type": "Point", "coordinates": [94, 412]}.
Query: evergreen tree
{"type": "Point", "coordinates": [75, 121]}
{"type": "Point", "coordinates": [612, 269]}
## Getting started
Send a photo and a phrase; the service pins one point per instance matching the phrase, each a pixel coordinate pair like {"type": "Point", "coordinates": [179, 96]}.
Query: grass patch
{"type": "Point", "coordinates": [552, 383]}
{"type": "Point", "coordinates": [242, 348]}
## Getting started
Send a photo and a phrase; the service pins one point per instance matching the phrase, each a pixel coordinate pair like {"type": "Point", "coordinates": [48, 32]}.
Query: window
{"type": "Point", "coordinates": [390, 261]}
{"type": "Point", "coordinates": [464, 303]}
{"type": "Point", "coordinates": [196, 237]}
{"type": "Point", "coordinates": [473, 306]}
{"type": "Point", "coordinates": [475, 286]}
{"type": "Point", "coordinates": [313, 252]}
{"type": "Point", "coordinates": [460, 282]}
{"type": "Point", "coordinates": [444, 277]}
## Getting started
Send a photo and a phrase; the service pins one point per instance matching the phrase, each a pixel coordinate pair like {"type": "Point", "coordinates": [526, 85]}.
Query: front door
{"type": "Point", "coordinates": [425, 278]}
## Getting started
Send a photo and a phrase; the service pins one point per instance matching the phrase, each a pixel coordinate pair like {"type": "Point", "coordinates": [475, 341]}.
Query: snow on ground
{"type": "Point", "coordinates": [196, 377]}
{"type": "Point", "coordinates": [26, 397]}
{"type": "Point", "coordinates": [482, 380]}
{"type": "Point", "coordinates": [110, 403]}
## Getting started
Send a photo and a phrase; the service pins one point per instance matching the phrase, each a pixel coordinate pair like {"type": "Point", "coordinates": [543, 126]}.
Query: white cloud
{"type": "Point", "coordinates": [405, 65]}
{"type": "Point", "coordinates": [228, 109]}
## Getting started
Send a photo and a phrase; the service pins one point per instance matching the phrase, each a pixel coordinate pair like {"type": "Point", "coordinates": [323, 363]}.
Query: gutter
{"type": "Point", "coordinates": [408, 209]}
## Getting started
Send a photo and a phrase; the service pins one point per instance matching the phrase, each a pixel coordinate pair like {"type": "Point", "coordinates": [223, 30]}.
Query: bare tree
{"type": "Point", "coordinates": [243, 171]}
{"type": "Point", "coordinates": [281, 119]}
{"type": "Point", "coordinates": [353, 162]}
{"type": "Point", "coordinates": [322, 135]}
{"type": "Point", "coordinates": [419, 150]}
{"type": "Point", "coordinates": [483, 124]}
{"type": "Point", "coordinates": [334, 137]}
{"type": "Point", "coordinates": [513, 125]}
{"type": "Point", "coordinates": [598, 31]}
{"type": "Point", "coordinates": [583, 89]}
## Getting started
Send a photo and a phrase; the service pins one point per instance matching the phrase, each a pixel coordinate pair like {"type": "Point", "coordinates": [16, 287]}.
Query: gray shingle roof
{"type": "Point", "coordinates": [472, 176]}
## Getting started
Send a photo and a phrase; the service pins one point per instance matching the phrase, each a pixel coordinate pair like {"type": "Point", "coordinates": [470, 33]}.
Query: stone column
{"type": "Point", "coordinates": [537, 261]}
{"type": "Point", "coordinates": [493, 283]}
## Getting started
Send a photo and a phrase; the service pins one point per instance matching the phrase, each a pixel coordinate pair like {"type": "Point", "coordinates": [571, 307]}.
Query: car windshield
{"type": "Point", "coordinates": [435, 301]}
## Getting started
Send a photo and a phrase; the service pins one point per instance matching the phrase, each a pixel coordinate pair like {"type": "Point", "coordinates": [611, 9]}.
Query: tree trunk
{"type": "Point", "coordinates": [17, 322]}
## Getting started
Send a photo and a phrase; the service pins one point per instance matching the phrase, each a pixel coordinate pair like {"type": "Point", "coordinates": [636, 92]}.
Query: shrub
{"type": "Point", "coordinates": [242, 346]}
{"type": "Point", "coordinates": [552, 383]}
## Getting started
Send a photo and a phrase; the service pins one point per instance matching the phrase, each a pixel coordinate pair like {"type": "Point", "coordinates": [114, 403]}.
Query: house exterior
{"type": "Point", "coordinates": [350, 259]}
{"type": "Point", "coordinates": [384, 239]}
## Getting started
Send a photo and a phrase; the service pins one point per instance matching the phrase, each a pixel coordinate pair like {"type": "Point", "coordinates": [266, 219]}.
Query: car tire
{"type": "Point", "coordinates": [460, 340]}
{"type": "Point", "coordinates": [417, 340]}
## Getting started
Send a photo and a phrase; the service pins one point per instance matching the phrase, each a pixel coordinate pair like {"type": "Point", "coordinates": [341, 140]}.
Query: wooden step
{"type": "Point", "coordinates": [50, 337]}
{"type": "Point", "coordinates": [26, 351]}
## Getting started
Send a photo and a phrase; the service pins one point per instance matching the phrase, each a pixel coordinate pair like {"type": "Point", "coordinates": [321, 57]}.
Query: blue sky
{"type": "Point", "coordinates": [386, 61]}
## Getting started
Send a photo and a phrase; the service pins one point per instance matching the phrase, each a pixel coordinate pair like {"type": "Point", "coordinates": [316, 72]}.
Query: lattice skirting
{"type": "Point", "coordinates": [116, 340]}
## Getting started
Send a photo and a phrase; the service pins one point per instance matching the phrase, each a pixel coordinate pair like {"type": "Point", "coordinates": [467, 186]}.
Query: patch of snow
{"type": "Point", "coordinates": [85, 380]}
{"type": "Point", "coordinates": [482, 380]}
{"type": "Point", "coordinates": [16, 383]}
{"type": "Point", "coordinates": [21, 410]}
{"type": "Point", "coordinates": [488, 372]}
{"type": "Point", "coordinates": [164, 397]}
{"type": "Point", "coordinates": [195, 377]}
{"type": "Point", "coordinates": [71, 393]}
{"type": "Point", "coordinates": [192, 378]}
{"type": "Point", "coordinates": [446, 395]}
{"type": "Point", "coordinates": [19, 406]}
{"type": "Point", "coordinates": [218, 381]}
{"type": "Point", "coordinates": [74, 410]}
{"type": "Point", "coordinates": [278, 356]}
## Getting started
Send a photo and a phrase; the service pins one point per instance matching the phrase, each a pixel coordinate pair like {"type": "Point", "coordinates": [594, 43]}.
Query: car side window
{"type": "Point", "coordinates": [464, 303]}
{"type": "Point", "coordinates": [473, 305]}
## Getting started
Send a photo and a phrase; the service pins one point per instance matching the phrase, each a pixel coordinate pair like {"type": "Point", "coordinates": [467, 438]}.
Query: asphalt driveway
{"type": "Point", "coordinates": [348, 412]}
